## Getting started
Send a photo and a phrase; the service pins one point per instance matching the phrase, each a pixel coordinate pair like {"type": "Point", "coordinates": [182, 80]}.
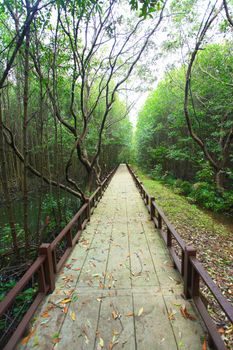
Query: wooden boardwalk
{"type": "Point", "coordinates": [118, 289]}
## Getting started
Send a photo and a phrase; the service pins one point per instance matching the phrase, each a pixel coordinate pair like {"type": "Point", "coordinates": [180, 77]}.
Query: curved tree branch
{"type": "Point", "coordinates": [192, 133]}
{"type": "Point", "coordinates": [11, 142]}
{"type": "Point", "coordinates": [230, 20]}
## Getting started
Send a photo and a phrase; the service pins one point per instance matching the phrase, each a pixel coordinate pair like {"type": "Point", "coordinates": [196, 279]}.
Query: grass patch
{"type": "Point", "coordinates": [179, 210]}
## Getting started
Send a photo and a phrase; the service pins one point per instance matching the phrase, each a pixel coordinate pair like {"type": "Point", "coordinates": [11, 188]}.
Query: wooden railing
{"type": "Point", "coordinates": [191, 270]}
{"type": "Point", "coordinates": [45, 267]}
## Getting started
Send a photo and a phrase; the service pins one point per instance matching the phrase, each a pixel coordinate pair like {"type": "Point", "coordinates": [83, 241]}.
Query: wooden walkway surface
{"type": "Point", "coordinates": [118, 289]}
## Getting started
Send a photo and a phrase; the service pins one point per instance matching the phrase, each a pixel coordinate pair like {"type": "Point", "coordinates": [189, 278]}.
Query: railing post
{"type": "Point", "coordinates": [80, 223]}
{"type": "Point", "coordinates": [89, 207]}
{"type": "Point", "coordinates": [188, 252]}
{"type": "Point", "coordinates": [159, 221]}
{"type": "Point", "coordinates": [143, 193]}
{"type": "Point", "coordinates": [182, 263]}
{"type": "Point", "coordinates": [41, 280]}
{"type": "Point", "coordinates": [69, 239]}
{"type": "Point", "coordinates": [152, 208]}
{"type": "Point", "coordinates": [101, 191]}
{"type": "Point", "coordinates": [95, 201]}
{"type": "Point", "coordinates": [140, 188]}
{"type": "Point", "coordinates": [45, 249]}
{"type": "Point", "coordinates": [195, 283]}
{"type": "Point", "coordinates": [169, 238]}
{"type": "Point", "coordinates": [54, 256]}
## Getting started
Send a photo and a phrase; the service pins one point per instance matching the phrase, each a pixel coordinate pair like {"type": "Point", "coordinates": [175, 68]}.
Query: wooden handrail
{"type": "Point", "coordinates": [10, 297]}
{"type": "Point", "coordinates": [68, 227]}
{"type": "Point", "coordinates": [171, 228]}
{"type": "Point", "coordinates": [222, 301]}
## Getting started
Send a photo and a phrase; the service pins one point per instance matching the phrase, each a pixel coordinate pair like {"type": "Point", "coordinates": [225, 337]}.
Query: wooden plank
{"type": "Point", "coordinates": [116, 323]}
{"type": "Point", "coordinates": [153, 329]}
{"type": "Point", "coordinates": [79, 332]}
{"type": "Point", "coordinates": [46, 324]}
{"type": "Point", "coordinates": [118, 269]}
{"type": "Point", "coordinates": [94, 268]}
{"type": "Point", "coordinates": [189, 333]}
{"type": "Point", "coordinates": [142, 268]}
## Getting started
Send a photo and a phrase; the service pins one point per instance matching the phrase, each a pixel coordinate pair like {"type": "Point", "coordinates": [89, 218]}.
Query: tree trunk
{"type": "Point", "coordinates": [6, 188]}
{"type": "Point", "coordinates": [90, 181]}
{"type": "Point", "coordinates": [25, 144]}
{"type": "Point", "coordinates": [219, 180]}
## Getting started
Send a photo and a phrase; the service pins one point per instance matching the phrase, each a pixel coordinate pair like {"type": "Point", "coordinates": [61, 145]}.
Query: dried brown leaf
{"type": "Point", "coordinates": [26, 339]}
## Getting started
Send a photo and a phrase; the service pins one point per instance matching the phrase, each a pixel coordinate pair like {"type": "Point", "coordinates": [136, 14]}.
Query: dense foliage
{"type": "Point", "coordinates": [164, 146]}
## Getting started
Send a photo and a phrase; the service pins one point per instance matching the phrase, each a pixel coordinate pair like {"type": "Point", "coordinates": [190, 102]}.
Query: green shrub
{"type": "Point", "coordinates": [185, 187]}
{"type": "Point", "coordinates": [208, 196]}
{"type": "Point", "coordinates": [6, 238]}
{"type": "Point", "coordinates": [228, 201]}
{"type": "Point", "coordinates": [169, 179]}
{"type": "Point", "coordinates": [157, 172]}
{"type": "Point", "coordinates": [206, 174]}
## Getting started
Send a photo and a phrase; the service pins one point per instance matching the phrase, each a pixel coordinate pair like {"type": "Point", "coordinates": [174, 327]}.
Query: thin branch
{"type": "Point", "coordinates": [227, 13]}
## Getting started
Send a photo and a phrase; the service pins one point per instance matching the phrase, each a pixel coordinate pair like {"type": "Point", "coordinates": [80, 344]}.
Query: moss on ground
{"type": "Point", "coordinates": [178, 209]}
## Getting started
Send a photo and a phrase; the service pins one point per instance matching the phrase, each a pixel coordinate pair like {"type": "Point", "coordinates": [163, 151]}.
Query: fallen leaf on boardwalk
{"type": "Point", "coordinates": [114, 332]}
{"type": "Point", "coordinates": [65, 301]}
{"type": "Point", "coordinates": [69, 292]}
{"type": "Point", "coordinates": [86, 339]}
{"type": "Point", "coordinates": [110, 345]}
{"type": "Point", "coordinates": [65, 310]}
{"type": "Point", "coordinates": [84, 242]}
{"type": "Point", "coordinates": [68, 266]}
{"type": "Point", "coordinates": [73, 316]}
{"type": "Point", "coordinates": [26, 339]}
{"type": "Point", "coordinates": [204, 345]}
{"type": "Point", "coordinates": [221, 330]}
{"type": "Point", "coordinates": [74, 298]}
{"type": "Point", "coordinates": [129, 314]}
{"type": "Point", "coordinates": [171, 316]}
{"type": "Point", "coordinates": [96, 275]}
{"type": "Point", "coordinates": [67, 279]}
{"type": "Point", "coordinates": [179, 305]}
{"type": "Point", "coordinates": [45, 314]}
{"type": "Point", "coordinates": [55, 338]}
{"type": "Point", "coordinates": [186, 314]}
{"type": "Point", "coordinates": [44, 322]}
{"type": "Point", "coordinates": [114, 315]}
{"type": "Point", "coordinates": [36, 340]}
{"type": "Point", "coordinates": [55, 335]}
{"type": "Point", "coordinates": [101, 343]}
{"type": "Point", "coordinates": [140, 311]}
{"type": "Point", "coordinates": [230, 330]}
{"type": "Point", "coordinates": [50, 307]}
